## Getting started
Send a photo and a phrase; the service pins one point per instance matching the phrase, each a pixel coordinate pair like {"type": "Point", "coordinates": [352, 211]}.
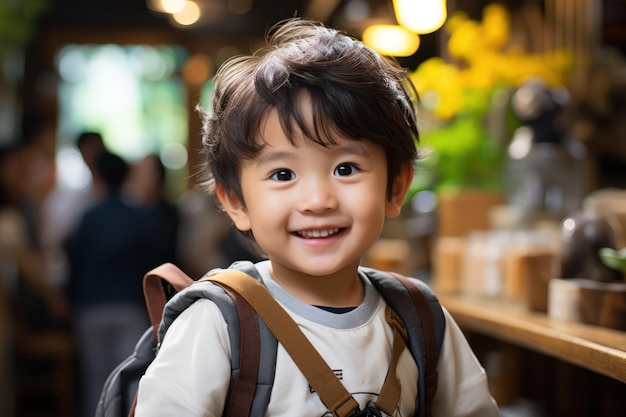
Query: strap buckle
{"type": "Point", "coordinates": [345, 407]}
{"type": "Point", "coordinates": [396, 323]}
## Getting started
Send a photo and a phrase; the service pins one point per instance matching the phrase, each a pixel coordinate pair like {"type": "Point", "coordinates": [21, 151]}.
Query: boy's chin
{"type": "Point", "coordinates": [316, 269]}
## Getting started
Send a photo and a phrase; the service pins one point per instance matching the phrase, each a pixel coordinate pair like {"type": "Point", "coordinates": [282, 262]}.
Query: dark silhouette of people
{"type": "Point", "coordinates": [64, 207]}
{"type": "Point", "coordinates": [114, 245]}
{"type": "Point", "coordinates": [28, 301]}
{"type": "Point", "coordinates": [146, 187]}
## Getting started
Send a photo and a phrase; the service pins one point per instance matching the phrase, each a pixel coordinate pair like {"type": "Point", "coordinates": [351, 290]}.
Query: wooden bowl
{"type": "Point", "coordinates": [603, 303]}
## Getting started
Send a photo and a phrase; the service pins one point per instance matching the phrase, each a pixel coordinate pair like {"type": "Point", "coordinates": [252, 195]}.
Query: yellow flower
{"type": "Point", "coordinates": [439, 86]}
{"type": "Point", "coordinates": [457, 18]}
{"type": "Point", "coordinates": [433, 73]}
{"type": "Point", "coordinates": [483, 61]}
{"type": "Point", "coordinates": [464, 40]}
{"type": "Point", "coordinates": [495, 26]}
{"type": "Point", "coordinates": [450, 103]}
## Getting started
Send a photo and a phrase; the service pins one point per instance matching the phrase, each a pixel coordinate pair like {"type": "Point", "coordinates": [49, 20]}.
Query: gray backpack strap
{"type": "Point", "coordinates": [268, 343]}
{"type": "Point", "coordinates": [269, 349]}
{"type": "Point", "coordinates": [398, 298]}
{"type": "Point", "coordinates": [245, 378]}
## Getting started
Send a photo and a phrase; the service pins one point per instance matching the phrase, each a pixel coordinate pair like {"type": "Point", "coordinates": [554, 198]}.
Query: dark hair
{"type": "Point", "coordinates": [159, 168]}
{"type": "Point", "coordinates": [353, 91]}
{"type": "Point", "coordinates": [112, 169]}
{"type": "Point", "coordinates": [84, 138]}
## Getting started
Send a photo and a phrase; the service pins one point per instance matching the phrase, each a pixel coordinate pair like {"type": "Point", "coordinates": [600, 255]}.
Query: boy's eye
{"type": "Point", "coordinates": [344, 170]}
{"type": "Point", "coordinates": [283, 175]}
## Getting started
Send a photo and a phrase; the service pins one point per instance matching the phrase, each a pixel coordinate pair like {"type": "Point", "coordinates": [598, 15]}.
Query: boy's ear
{"type": "Point", "coordinates": [235, 208]}
{"type": "Point", "coordinates": [399, 189]}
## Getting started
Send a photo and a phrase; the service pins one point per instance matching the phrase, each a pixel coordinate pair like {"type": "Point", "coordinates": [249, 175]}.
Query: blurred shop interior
{"type": "Point", "coordinates": [516, 216]}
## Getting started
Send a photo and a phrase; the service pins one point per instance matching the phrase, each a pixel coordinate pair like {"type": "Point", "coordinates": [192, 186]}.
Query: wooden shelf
{"type": "Point", "coordinates": [599, 349]}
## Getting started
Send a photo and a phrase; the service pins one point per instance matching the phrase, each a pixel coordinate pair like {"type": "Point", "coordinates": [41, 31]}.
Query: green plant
{"type": "Point", "coordinates": [465, 153]}
{"type": "Point", "coordinates": [613, 258]}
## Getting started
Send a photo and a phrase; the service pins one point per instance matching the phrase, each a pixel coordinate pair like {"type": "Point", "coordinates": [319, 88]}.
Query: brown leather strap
{"type": "Point", "coordinates": [318, 373]}
{"type": "Point", "coordinates": [428, 327]}
{"type": "Point", "coordinates": [155, 297]}
{"type": "Point", "coordinates": [390, 392]}
{"type": "Point", "coordinates": [154, 292]}
{"type": "Point", "coordinates": [244, 386]}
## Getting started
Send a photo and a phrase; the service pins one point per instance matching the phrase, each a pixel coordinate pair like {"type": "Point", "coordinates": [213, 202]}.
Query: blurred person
{"type": "Point", "coordinates": [36, 152]}
{"type": "Point", "coordinates": [19, 256]}
{"type": "Point", "coordinates": [37, 148]}
{"type": "Point", "coordinates": [20, 267]}
{"type": "Point", "coordinates": [114, 245]}
{"type": "Point", "coordinates": [63, 207]}
{"type": "Point", "coordinates": [146, 187]}
{"type": "Point", "coordinates": [66, 206]}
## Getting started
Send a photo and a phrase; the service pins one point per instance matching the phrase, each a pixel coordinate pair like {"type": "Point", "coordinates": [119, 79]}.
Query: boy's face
{"type": "Point", "coordinates": [314, 210]}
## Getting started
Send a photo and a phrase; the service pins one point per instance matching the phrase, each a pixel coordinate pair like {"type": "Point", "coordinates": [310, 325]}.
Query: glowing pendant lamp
{"type": "Point", "coordinates": [391, 40]}
{"type": "Point", "coordinates": [420, 16]}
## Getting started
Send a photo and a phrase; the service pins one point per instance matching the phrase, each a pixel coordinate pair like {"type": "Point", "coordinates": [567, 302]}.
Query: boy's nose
{"type": "Point", "coordinates": [316, 196]}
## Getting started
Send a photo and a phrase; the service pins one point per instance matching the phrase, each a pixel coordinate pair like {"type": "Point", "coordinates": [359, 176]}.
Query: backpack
{"type": "Point", "coordinates": [168, 292]}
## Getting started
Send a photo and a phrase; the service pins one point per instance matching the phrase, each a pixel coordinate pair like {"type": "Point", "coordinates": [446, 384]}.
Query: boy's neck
{"type": "Point", "coordinates": [341, 289]}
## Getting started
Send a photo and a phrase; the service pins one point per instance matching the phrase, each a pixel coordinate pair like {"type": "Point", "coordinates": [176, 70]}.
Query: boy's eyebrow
{"type": "Point", "coordinates": [269, 155]}
{"type": "Point", "coordinates": [352, 147]}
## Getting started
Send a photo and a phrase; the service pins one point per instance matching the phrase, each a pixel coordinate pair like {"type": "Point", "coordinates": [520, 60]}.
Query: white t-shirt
{"type": "Point", "coordinates": [191, 373]}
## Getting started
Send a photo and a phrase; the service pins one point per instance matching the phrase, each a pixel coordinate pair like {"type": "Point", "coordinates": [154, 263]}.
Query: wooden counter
{"type": "Point", "coordinates": [599, 349]}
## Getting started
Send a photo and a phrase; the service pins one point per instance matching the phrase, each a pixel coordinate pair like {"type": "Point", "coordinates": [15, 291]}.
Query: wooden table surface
{"type": "Point", "coordinates": [599, 349]}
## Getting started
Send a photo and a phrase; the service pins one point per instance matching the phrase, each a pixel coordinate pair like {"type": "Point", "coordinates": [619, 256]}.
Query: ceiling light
{"type": "Point", "coordinates": [391, 40]}
{"type": "Point", "coordinates": [420, 16]}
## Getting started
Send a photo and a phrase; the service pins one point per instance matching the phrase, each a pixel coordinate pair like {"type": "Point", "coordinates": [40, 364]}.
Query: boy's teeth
{"type": "Point", "coordinates": [318, 233]}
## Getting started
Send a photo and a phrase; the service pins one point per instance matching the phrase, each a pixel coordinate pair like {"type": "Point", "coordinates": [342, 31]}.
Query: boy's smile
{"type": "Point", "coordinates": [311, 234]}
{"type": "Point", "coordinates": [314, 210]}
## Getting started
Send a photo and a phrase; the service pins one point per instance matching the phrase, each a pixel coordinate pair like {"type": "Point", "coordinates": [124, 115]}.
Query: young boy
{"type": "Point", "coordinates": [310, 145]}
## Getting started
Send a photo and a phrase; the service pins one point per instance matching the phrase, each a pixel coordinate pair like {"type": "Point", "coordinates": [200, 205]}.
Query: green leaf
{"type": "Point", "coordinates": [613, 258]}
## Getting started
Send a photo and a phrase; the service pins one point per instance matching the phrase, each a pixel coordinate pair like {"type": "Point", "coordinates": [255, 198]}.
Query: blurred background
{"type": "Point", "coordinates": [523, 128]}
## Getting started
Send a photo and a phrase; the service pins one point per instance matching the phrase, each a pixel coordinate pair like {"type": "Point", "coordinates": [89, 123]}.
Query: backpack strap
{"type": "Point", "coordinates": [419, 309]}
{"type": "Point", "coordinates": [269, 348]}
{"type": "Point", "coordinates": [320, 376]}
{"type": "Point", "coordinates": [268, 342]}
{"type": "Point", "coordinates": [389, 396]}
{"type": "Point", "coordinates": [155, 293]}
{"type": "Point", "coordinates": [244, 385]}
{"type": "Point", "coordinates": [428, 327]}
{"type": "Point", "coordinates": [244, 381]}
